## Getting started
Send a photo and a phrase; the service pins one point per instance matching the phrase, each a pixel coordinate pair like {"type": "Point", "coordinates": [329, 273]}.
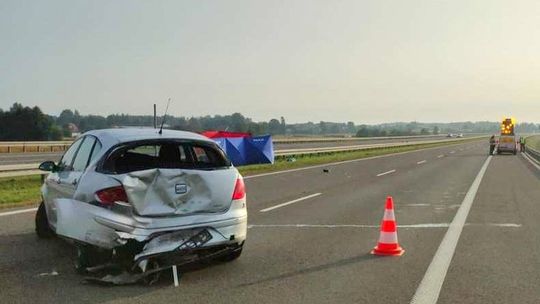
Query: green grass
{"type": "Point", "coordinates": [20, 190]}
{"type": "Point", "coordinates": [24, 190]}
{"type": "Point", "coordinates": [533, 141]}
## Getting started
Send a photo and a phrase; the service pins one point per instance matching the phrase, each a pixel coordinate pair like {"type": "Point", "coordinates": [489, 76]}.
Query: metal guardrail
{"type": "Point", "coordinates": [34, 146]}
{"type": "Point", "coordinates": [535, 154]}
{"type": "Point", "coordinates": [31, 169]}
{"type": "Point", "coordinates": [316, 151]}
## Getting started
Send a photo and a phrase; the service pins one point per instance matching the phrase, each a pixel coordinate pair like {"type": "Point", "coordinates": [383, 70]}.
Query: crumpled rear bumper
{"type": "Point", "coordinates": [108, 229]}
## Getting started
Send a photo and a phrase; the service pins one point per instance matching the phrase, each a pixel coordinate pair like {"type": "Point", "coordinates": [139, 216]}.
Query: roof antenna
{"type": "Point", "coordinates": [163, 119]}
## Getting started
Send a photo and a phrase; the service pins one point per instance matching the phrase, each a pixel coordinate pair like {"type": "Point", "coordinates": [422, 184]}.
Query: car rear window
{"type": "Point", "coordinates": [166, 155]}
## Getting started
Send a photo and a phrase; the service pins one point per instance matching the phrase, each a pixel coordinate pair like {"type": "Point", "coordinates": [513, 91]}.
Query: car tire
{"type": "Point", "coordinates": [229, 257]}
{"type": "Point", "coordinates": [43, 230]}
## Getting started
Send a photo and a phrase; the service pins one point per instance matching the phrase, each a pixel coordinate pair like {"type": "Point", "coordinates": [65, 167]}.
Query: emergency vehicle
{"type": "Point", "coordinates": [507, 139]}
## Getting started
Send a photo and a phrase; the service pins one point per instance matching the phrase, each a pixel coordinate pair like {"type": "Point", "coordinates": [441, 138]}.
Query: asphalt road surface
{"type": "Point", "coordinates": [32, 158]}
{"type": "Point", "coordinates": [316, 250]}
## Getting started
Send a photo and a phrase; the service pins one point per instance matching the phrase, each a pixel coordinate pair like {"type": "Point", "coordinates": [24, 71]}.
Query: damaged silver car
{"type": "Point", "coordinates": [137, 201]}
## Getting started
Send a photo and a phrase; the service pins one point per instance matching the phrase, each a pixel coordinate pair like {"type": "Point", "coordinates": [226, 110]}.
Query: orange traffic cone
{"type": "Point", "coordinates": [388, 242]}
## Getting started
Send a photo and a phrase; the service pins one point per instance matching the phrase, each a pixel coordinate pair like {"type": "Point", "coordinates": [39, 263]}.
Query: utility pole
{"type": "Point", "coordinates": [155, 121]}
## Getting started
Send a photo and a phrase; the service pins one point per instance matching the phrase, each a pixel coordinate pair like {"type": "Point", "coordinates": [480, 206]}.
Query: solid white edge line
{"type": "Point", "coordinates": [387, 172]}
{"type": "Point", "coordinates": [530, 159]}
{"type": "Point", "coordinates": [290, 202]}
{"type": "Point", "coordinates": [430, 287]}
{"type": "Point", "coordinates": [18, 211]}
{"type": "Point", "coordinates": [347, 161]}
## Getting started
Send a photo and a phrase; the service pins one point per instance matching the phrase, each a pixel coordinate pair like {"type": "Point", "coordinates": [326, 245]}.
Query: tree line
{"type": "Point", "coordinates": [22, 123]}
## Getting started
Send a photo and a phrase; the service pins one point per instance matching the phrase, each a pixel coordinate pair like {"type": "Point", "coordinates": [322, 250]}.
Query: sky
{"type": "Point", "coordinates": [362, 61]}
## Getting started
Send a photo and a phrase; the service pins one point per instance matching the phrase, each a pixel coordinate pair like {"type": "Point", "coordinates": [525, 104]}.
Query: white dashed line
{"type": "Point", "coordinates": [421, 162]}
{"type": "Point", "coordinates": [290, 202]}
{"type": "Point", "coordinates": [387, 172]}
{"type": "Point", "coordinates": [18, 211]}
{"type": "Point", "coordinates": [440, 156]}
{"type": "Point", "coordinates": [452, 152]}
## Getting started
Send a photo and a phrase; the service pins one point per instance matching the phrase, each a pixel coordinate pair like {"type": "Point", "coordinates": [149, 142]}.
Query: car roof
{"type": "Point", "coordinates": [111, 137]}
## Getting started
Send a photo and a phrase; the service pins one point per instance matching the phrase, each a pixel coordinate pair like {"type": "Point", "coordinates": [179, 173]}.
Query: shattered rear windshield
{"type": "Point", "coordinates": [166, 155]}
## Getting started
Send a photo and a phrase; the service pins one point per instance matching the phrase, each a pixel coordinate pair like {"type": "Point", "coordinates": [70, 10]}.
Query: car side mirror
{"type": "Point", "coordinates": [48, 166]}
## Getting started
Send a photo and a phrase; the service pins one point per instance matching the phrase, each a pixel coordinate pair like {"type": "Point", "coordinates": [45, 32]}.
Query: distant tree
{"type": "Point", "coordinates": [436, 130]}
{"type": "Point", "coordinates": [424, 131]}
{"type": "Point", "coordinates": [363, 131]}
{"type": "Point", "coordinates": [351, 128]}
{"type": "Point", "coordinates": [283, 125]}
{"type": "Point", "coordinates": [25, 123]}
{"type": "Point", "coordinates": [238, 123]}
{"type": "Point", "coordinates": [274, 126]}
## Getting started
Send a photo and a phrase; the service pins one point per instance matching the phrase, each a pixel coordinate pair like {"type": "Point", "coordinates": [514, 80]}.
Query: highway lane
{"type": "Point", "coordinates": [317, 250]}
{"type": "Point", "coordinates": [31, 158]}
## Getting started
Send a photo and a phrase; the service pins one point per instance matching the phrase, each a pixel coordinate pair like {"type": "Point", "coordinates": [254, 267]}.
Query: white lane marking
{"type": "Point", "coordinates": [434, 225]}
{"type": "Point", "coordinates": [452, 152]}
{"type": "Point", "coordinates": [430, 287]}
{"type": "Point", "coordinates": [417, 205]}
{"type": "Point", "coordinates": [387, 172]}
{"type": "Point", "coordinates": [175, 275]}
{"type": "Point", "coordinates": [427, 225]}
{"type": "Point", "coordinates": [440, 156]}
{"type": "Point", "coordinates": [421, 162]}
{"type": "Point", "coordinates": [340, 163]}
{"type": "Point", "coordinates": [17, 211]}
{"type": "Point", "coordinates": [530, 159]}
{"type": "Point", "coordinates": [290, 202]}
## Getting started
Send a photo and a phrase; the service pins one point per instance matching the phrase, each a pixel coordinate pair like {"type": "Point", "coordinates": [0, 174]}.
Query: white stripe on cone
{"type": "Point", "coordinates": [389, 215]}
{"type": "Point", "coordinates": [388, 238]}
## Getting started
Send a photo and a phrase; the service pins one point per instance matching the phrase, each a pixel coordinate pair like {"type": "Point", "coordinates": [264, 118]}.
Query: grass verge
{"type": "Point", "coordinates": [19, 191]}
{"type": "Point", "coordinates": [533, 141]}
{"type": "Point", "coordinates": [24, 190]}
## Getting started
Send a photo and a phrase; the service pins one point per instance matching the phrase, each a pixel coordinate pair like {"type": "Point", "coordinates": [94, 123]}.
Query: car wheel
{"type": "Point", "coordinates": [43, 230]}
{"type": "Point", "coordinates": [232, 255]}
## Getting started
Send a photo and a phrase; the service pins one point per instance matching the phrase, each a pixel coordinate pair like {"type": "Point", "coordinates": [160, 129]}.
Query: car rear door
{"type": "Point", "coordinates": [88, 147]}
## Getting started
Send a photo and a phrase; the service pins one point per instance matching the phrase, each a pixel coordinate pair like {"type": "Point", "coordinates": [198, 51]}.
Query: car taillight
{"type": "Point", "coordinates": [239, 189]}
{"type": "Point", "coordinates": [108, 196]}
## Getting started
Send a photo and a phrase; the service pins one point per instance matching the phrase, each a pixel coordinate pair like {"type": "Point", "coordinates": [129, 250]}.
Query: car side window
{"type": "Point", "coordinates": [83, 155]}
{"type": "Point", "coordinates": [67, 158]}
{"type": "Point", "coordinates": [95, 151]}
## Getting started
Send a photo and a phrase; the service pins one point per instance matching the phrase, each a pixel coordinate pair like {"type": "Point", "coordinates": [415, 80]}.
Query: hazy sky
{"type": "Point", "coordinates": [365, 61]}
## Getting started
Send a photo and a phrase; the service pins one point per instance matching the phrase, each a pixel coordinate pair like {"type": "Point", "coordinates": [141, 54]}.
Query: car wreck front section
{"type": "Point", "coordinates": [152, 202]}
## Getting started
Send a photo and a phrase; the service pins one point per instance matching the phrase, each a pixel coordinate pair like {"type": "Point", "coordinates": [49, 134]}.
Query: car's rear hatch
{"type": "Point", "coordinates": [173, 177]}
{"type": "Point", "coordinates": [161, 192]}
